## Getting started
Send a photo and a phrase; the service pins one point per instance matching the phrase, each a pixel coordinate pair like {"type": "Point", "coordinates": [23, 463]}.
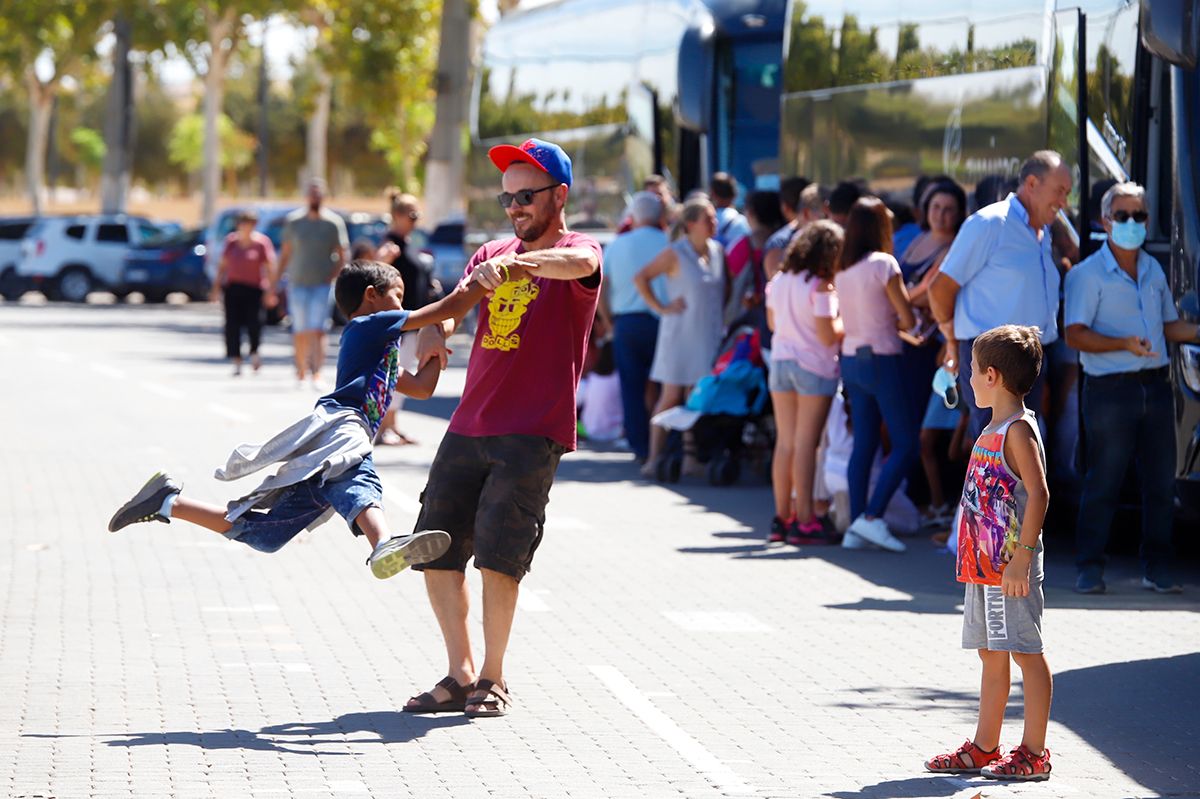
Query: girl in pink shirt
{"type": "Point", "coordinates": [802, 310]}
{"type": "Point", "coordinates": [875, 307]}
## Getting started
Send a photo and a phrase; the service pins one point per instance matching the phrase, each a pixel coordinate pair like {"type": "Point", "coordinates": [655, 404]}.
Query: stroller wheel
{"type": "Point", "coordinates": [723, 470]}
{"type": "Point", "coordinates": [672, 468]}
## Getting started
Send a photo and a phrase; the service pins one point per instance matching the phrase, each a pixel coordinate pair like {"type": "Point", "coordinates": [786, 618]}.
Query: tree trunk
{"type": "Point", "coordinates": [444, 166]}
{"type": "Point", "coordinates": [118, 126]}
{"type": "Point", "coordinates": [317, 142]}
{"type": "Point", "coordinates": [41, 101]}
{"type": "Point", "coordinates": [220, 30]}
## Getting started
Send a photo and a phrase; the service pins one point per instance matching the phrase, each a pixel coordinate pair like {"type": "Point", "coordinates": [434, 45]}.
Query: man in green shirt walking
{"type": "Point", "coordinates": [314, 251]}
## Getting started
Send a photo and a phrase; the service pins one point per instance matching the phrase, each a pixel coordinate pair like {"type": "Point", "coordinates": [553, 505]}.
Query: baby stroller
{"type": "Point", "coordinates": [727, 412]}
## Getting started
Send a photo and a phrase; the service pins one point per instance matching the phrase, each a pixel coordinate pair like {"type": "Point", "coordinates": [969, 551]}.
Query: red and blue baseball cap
{"type": "Point", "coordinates": [544, 155]}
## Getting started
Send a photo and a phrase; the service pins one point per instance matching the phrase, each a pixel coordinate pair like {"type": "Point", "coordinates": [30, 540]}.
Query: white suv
{"type": "Point", "coordinates": [68, 257]}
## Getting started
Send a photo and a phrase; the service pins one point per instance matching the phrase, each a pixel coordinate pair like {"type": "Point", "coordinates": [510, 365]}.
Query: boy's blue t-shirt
{"type": "Point", "coordinates": [368, 365]}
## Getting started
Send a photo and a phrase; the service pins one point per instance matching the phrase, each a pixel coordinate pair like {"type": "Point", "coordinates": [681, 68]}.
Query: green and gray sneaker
{"type": "Point", "coordinates": [398, 553]}
{"type": "Point", "coordinates": [146, 503]}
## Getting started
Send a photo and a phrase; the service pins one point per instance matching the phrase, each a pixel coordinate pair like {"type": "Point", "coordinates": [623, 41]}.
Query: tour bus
{"type": "Point", "coordinates": [682, 88]}
{"type": "Point", "coordinates": [889, 90]}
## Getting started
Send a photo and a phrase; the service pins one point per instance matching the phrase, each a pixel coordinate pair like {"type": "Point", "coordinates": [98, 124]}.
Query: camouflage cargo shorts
{"type": "Point", "coordinates": [489, 493]}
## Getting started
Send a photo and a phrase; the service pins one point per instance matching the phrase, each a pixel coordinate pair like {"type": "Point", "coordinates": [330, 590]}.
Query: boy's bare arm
{"type": "Point", "coordinates": [1022, 453]}
{"type": "Point", "coordinates": [420, 385]}
{"type": "Point", "coordinates": [453, 306]}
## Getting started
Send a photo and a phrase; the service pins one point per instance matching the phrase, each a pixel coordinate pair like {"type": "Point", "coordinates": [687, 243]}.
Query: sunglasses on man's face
{"type": "Point", "coordinates": [524, 197]}
{"type": "Point", "coordinates": [1125, 216]}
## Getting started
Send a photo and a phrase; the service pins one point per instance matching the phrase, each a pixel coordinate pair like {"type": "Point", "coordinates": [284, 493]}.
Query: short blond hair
{"type": "Point", "coordinates": [1015, 351]}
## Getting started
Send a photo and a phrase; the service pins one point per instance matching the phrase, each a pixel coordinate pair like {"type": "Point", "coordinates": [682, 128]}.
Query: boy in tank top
{"type": "Point", "coordinates": [999, 526]}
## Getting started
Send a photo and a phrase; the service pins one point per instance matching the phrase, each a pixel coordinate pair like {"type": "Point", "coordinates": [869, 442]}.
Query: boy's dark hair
{"type": "Point", "coordinates": [815, 249]}
{"type": "Point", "coordinates": [789, 191]}
{"type": "Point", "coordinates": [722, 187]}
{"type": "Point", "coordinates": [845, 195]}
{"type": "Point", "coordinates": [764, 205]}
{"type": "Point", "coordinates": [868, 230]}
{"type": "Point", "coordinates": [353, 280]}
{"type": "Point", "coordinates": [1014, 351]}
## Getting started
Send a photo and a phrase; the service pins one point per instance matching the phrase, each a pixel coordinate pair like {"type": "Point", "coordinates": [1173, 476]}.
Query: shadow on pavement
{"type": "Point", "coordinates": [924, 787]}
{"type": "Point", "coordinates": [1143, 715]}
{"type": "Point", "coordinates": [300, 738]}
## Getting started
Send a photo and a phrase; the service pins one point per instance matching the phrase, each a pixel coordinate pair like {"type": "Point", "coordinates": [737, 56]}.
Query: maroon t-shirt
{"type": "Point", "coordinates": [528, 352]}
{"type": "Point", "coordinates": [247, 266]}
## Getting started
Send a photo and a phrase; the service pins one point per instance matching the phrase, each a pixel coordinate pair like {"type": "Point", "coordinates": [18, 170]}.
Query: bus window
{"type": "Point", "coordinates": [1005, 36]}
{"type": "Point", "coordinates": [933, 39]}
{"type": "Point", "coordinates": [749, 90]}
{"type": "Point", "coordinates": [811, 36]}
{"type": "Point", "coordinates": [1112, 39]}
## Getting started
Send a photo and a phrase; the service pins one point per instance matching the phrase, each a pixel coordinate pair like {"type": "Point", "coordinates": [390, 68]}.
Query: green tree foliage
{"type": "Point", "coordinates": [186, 145]}
{"type": "Point", "coordinates": [382, 55]}
{"type": "Point", "coordinates": [89, 148]}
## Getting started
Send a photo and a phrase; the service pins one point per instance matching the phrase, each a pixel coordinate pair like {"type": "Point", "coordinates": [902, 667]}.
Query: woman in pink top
{"type": "Point", "coordinates": [875, 307]}
{"type": "Point", "coordinates": [802, 310]}
{"type": "Point", "coordinates": [246, 269]}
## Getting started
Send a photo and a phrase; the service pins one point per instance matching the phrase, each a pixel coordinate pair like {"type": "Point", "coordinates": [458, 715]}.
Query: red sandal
{"type": "Point", "coordinates": [967, 759]}
{"type": "Point", "coordinates": [1020, 764]}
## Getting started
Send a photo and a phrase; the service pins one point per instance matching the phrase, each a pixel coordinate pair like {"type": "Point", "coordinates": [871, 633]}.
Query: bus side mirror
{"type": "Point", "coordinates": [1171, 30]}
{"type": "Point", "coordinates": [695, 77]}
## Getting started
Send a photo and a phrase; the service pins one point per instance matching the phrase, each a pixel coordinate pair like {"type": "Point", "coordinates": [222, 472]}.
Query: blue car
{"type": "Point", "coordinates": [166, 264]}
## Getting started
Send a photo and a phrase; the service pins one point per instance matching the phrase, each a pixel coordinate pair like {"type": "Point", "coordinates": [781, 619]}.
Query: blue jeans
{"type": "Point", "coordinates": [875, 386]}
{"type": "Point", "coordinates": [981, 417]}
{"type": "Point", "coordinates": [634, 337]}
{"type": "Point", "coordinates": [1124, 420]}
{"type": "Point", "coordinates": [303, 503]}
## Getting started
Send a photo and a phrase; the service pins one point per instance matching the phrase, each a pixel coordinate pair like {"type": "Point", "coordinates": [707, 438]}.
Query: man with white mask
{"type": "Point", "coordinates": [1119, 314]}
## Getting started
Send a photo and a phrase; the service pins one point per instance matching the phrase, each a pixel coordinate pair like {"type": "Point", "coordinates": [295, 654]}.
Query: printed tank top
{"type": "Point", "coordinates": [988, 522]}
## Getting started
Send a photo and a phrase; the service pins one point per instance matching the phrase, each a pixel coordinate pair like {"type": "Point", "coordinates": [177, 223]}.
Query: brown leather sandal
{"type": "Point", "coordinates": [427, 703]}
{"type": "Point", "coordinates": [493, 698]}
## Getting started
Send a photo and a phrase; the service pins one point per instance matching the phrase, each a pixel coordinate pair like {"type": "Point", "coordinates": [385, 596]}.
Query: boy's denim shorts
{"type": "Point", "coordinates": [302, 504]}
{"type": "Point", "coordinates": [791, 376]}
{"type": "Point", "coordinates": [308, 307]}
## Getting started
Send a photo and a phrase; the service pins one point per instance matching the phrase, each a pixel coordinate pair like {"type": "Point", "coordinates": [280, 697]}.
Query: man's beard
{"type": "Point", "coordinates": [314, 205]}
{"type": "Point", "coordinates": [535, 229]}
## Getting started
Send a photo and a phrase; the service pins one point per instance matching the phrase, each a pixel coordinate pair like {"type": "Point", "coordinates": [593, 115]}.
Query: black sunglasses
{"type": "Point", "coordinates": [523, 197]}
{"type": "Point", "coordinates": [1125, 216]}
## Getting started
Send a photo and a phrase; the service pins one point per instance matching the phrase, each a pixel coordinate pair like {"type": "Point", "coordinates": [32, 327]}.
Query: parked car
{"type": "Point", "coordinates": [69, 257]}
{"type": "Point", "coordinates": [172, 262]}
{"type": "Point", "coordinates": [447, 246]}
{"type": "Point", "coordinates": [362, 226]}
{"type": "Point", "coordinates": [12, 230]}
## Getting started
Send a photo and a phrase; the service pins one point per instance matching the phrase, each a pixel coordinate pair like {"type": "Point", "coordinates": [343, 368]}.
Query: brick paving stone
{"type": "Point", "coordinates": [164, 661]}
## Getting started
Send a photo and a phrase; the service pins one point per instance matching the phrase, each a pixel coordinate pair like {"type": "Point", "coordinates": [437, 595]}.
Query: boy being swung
{"type": "Point", "coordinates": [999, 528]}
{"type": "Point", "coordinates": [326, 457]}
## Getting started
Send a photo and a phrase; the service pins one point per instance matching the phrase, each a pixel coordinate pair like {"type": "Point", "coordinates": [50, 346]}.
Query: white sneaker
{"type": "Point", "coordinates": [876, 532]}
{"type": "Point", "coordinates": [854, 541]}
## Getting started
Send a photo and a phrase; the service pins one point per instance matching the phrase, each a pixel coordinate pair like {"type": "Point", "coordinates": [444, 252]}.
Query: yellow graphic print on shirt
{"type": "Point", "coordinates": [505, 309]}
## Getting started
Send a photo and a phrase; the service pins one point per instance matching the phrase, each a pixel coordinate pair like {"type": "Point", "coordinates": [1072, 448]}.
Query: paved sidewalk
{"type": "Point", "coordinates": [660, 649]}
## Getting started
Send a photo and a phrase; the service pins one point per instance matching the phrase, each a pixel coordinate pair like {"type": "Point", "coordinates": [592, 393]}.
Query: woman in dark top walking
{"type": "Point", "coordinates": [398, 251]}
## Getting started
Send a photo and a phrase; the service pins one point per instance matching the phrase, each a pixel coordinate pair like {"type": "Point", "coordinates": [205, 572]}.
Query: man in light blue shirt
{"type": "Point", "coordinates": [1119, 314]}
{"type": "Point", "coordinates": [1000, 271]}
{"type": "Point", "coordinates": [634, 325]}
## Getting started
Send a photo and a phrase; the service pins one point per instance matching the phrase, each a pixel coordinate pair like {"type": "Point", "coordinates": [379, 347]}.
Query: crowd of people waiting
{"type": "Point", "coordinates": [867, 307]}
